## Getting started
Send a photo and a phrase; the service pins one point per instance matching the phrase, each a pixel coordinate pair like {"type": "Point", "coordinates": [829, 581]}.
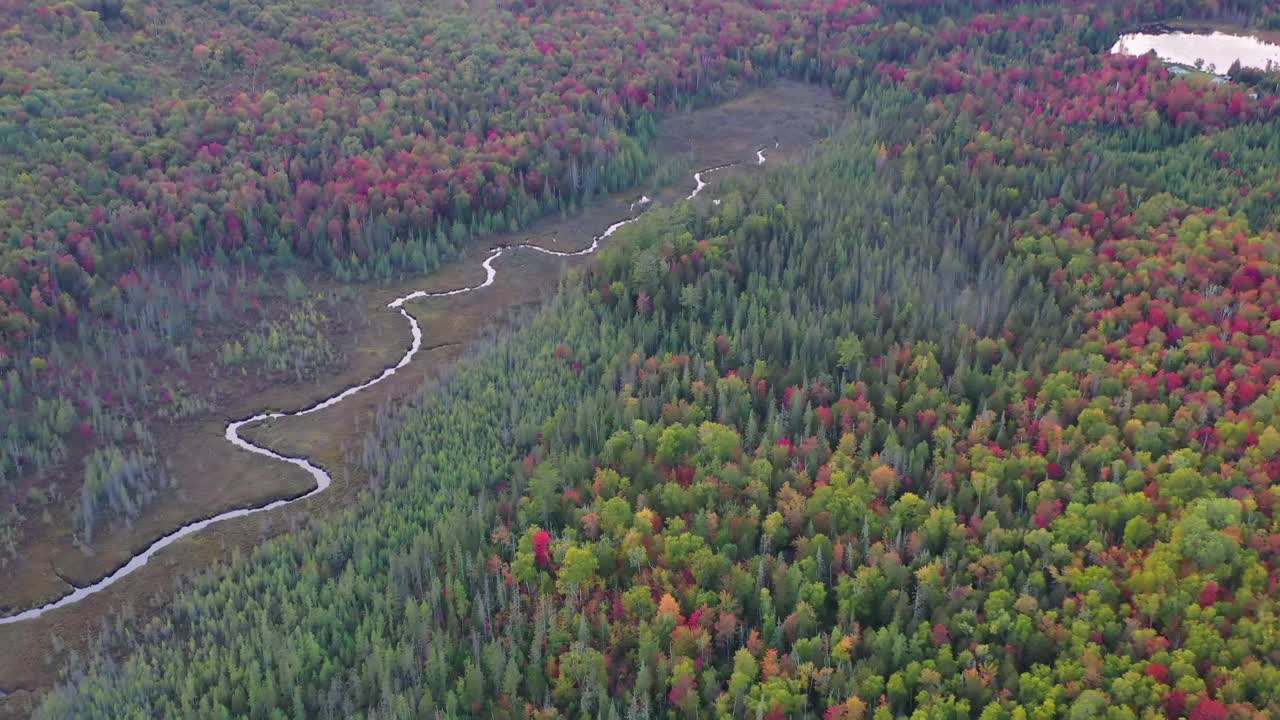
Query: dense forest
{"type": "Point", "coordinates": [364, 143]}
{"type": "Point", "coordinates": [971, 413]}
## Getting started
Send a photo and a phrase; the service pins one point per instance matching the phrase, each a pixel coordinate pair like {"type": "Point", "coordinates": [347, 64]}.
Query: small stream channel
{"type": "Point", "coordinates": [322, 478]}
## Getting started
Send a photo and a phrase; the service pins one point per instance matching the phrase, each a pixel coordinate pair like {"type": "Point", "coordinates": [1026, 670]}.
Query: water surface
{"type": "Point", "coordinates": [1216, 51]}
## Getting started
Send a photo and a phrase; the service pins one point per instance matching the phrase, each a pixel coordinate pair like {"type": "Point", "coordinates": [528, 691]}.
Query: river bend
{"type": "Point", "coordinates": [322, 478]}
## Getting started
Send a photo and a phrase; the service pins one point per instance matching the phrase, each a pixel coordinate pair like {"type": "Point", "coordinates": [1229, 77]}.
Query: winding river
{"type": "Point", "coordinates": [322, 478]}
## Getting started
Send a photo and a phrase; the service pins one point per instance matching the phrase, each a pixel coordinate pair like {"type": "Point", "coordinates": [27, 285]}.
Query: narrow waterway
{"type": "Point", "coordinates": [322, 478]}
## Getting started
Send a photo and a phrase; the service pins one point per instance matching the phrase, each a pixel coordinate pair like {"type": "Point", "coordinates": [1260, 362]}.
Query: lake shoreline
{"type": "Point", "coordinates": [1201, 49]}
{"type": "Point", "coordinates": [1197, 27]}
{"type": "Point", "coordinates": [1202, 27]}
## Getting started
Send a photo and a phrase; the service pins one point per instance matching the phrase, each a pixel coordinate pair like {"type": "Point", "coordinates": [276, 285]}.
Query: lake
{"type": "Point", "coordinates": [1218, 50]}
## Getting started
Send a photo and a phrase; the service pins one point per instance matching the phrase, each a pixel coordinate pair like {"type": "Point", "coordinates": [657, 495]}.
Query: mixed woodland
{"type": "Point", "coordinates": [970, 413]}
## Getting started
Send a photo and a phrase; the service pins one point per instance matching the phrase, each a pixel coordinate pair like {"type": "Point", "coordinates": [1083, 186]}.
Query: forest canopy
{"type": "Point", "coordinates": [971, 412]}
